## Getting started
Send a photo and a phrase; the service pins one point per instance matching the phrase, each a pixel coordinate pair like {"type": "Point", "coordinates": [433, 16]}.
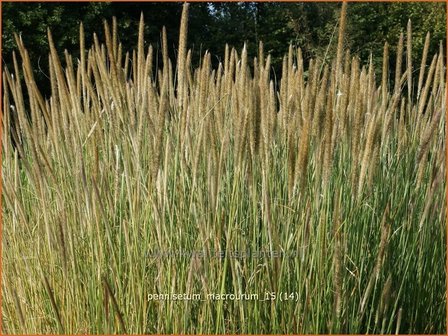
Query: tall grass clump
{"type": "Point", "coordinates": [131, 180]}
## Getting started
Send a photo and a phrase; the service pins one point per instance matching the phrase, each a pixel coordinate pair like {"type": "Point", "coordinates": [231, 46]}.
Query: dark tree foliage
{"type": "Point", "coordinates": [311, 26]}
{"type": "Point", "coordinates": [372, 24]}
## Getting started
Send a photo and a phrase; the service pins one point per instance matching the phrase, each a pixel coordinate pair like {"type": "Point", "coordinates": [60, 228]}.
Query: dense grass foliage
{"type": "Point", "coordinates": [336, 173]}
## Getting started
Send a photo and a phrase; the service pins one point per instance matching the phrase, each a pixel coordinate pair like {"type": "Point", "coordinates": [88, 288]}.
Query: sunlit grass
{"type": "Point", "coordinates": [337, 173]}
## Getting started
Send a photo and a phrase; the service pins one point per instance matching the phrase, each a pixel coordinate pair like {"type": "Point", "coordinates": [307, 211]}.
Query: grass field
{"type": "Point", "coordinates": [322, 195]}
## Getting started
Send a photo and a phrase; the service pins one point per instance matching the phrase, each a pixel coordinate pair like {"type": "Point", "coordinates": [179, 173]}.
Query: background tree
{"type": "Point", "coordinates": [311, 26]}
